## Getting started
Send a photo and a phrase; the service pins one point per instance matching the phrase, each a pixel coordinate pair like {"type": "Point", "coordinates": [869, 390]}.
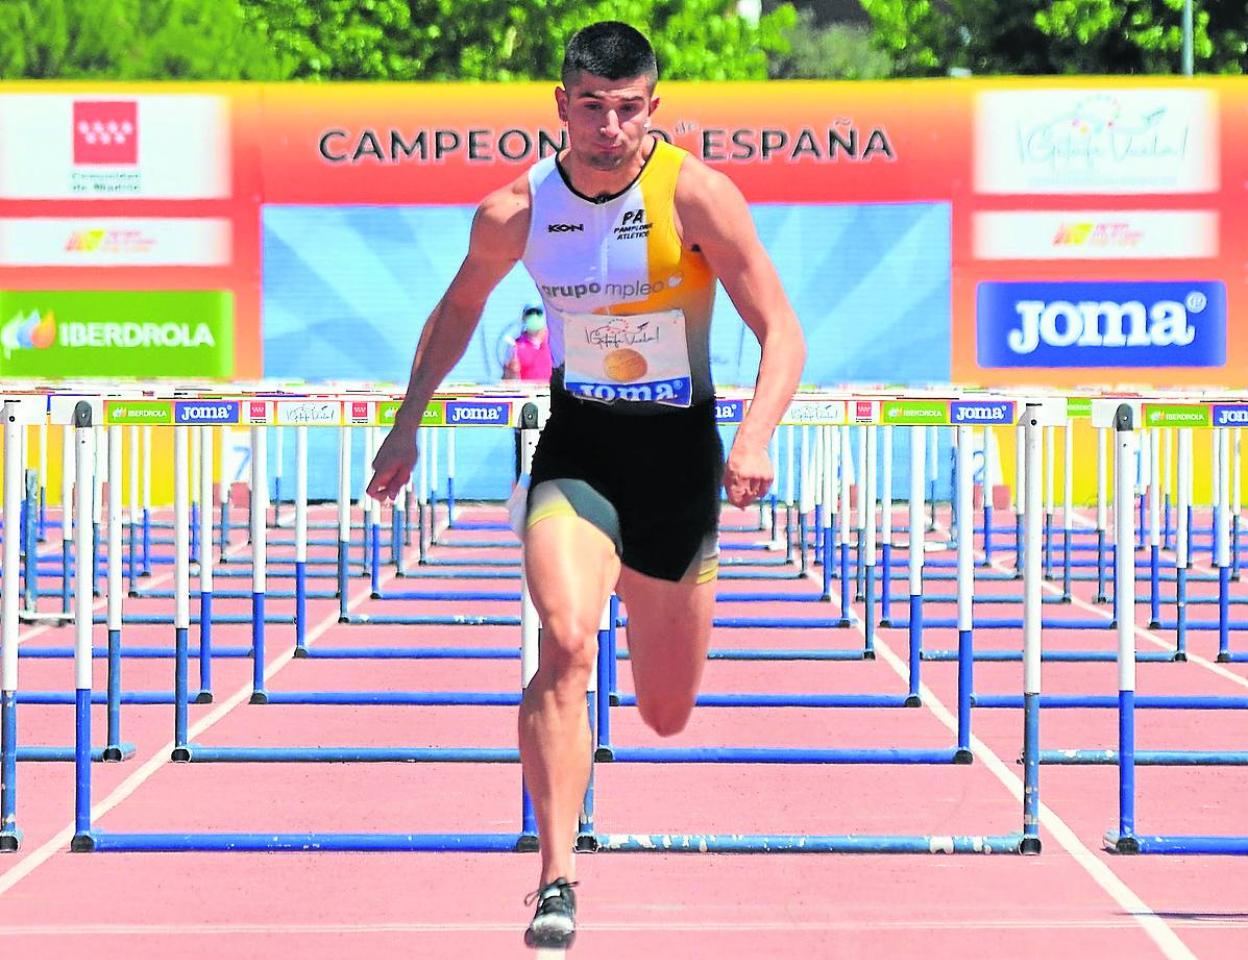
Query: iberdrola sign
{"type": "Point", "coordinates": [116, 333]}
{"type": "Point", "coordinates": [914, 412]}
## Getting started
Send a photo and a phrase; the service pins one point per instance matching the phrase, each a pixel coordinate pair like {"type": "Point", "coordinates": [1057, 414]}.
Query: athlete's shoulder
{"type": "Point", "coordinates": [502, 218]}
{"type": "Point", "coordinates": [708, 203]}
{"type": "Point", "coordinates": [701, 186]}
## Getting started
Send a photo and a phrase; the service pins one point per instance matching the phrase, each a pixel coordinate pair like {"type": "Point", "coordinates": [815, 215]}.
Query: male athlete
{"type": "Point", "coordinates": [624, 235]}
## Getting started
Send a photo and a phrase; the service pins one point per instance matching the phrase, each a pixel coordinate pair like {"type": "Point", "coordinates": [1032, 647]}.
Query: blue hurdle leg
{"type": "Point", "coordinates": [113, 748]}
{"type": "Point", "coordinates": [205, 647]}
{"type": "Point", "coordinates": [301, 607]}
{"type": "Point", "coordinates": [10, 836]}
{"type": "Point", "coordinates": [966, 688]}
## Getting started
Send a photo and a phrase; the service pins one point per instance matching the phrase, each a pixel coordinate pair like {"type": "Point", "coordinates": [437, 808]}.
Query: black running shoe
{"type": "Point", "coordinates": [554, 923]}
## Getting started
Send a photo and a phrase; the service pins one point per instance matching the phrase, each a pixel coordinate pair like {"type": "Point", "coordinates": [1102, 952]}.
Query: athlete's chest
{"type": "Point", "coordinates": [583, 255]}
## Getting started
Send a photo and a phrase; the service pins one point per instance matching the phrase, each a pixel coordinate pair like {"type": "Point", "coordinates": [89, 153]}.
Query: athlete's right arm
{"type": "Point", "coordinates": [499, 230]}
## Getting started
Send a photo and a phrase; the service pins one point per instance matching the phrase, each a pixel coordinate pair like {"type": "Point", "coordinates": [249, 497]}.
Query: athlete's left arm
{"type": "Point", "coordinates": [715, 219]}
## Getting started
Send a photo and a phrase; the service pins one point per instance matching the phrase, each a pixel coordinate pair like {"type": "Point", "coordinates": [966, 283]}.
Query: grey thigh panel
{"type": "Point", "coordinates": [586, 502]}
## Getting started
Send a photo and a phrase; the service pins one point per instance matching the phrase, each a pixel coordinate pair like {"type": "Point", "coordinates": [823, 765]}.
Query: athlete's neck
{"type": "Point", "coordinates": [594, 183]}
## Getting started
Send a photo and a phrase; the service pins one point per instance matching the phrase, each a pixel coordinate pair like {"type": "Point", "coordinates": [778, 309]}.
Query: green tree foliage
{"type": "Point", "coordinates": [504, 40]}
{"type": "Point", "coordinates": [367, 39]}
{"type": "Point", "coordinates": [132, 40]}
{"type": "Point", "coordinates": [930, 37]}
{"type": "Point", "coordinates": [837, 51]}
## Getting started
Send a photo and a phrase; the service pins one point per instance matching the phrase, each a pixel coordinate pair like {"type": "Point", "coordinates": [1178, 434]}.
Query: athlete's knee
{"type": "Point", "coordinates": [569, 646]}
{"type": "Point", "coordinates": [666, 717]}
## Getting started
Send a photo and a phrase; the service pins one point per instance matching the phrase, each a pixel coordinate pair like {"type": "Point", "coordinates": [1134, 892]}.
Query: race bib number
{"type": "Point", "coordinates": [638, 358]}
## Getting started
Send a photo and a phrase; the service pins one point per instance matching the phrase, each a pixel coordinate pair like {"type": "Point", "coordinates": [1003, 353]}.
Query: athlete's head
{"type": "Point", "coordinates": [607, 98]}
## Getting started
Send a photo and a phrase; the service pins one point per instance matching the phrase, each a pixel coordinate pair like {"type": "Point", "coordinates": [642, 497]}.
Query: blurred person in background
{"type": "Point", "coordinates": [530, 353]}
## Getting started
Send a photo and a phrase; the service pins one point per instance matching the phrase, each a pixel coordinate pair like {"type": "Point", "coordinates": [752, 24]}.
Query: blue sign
{"type": "Point", "coordinates": [982, 411]}
{"type": "Point", "coordinates": [676, 392]}
{"type": "Point", "coordinates": [1230, 414]}
{"type": "Point", "coordinates": [1177, 323]}
{"type": "Point", "coordinates": [205, 411]}
{"type": "Point", "coordinates": [729, 411]}
{"type": "Point", "coordinates": [477, 413]}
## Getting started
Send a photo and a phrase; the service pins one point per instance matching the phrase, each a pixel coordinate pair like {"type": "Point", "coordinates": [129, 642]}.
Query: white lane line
{"type": "Point", "coordinates": [865, 924]}
{"type": "Point", "coordinates": [1210, 665]}
{"type": "Point", "coordinates": [38, 857]}
{"type": "Point", "coordinates": [1154, 926]}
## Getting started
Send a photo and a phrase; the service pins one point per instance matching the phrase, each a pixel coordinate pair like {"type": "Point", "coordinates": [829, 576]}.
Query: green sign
{"type": "Point", "coordinates": [903, 412]}
{"type": "Point", "coordinates": [126, 412]}
{"type": "Point", "coordinates": [1078, 406]}
{"type": "Point", "coordinates": [116, 333]}
{"type": "Point", "coordinates": [435, 414]}
{"type": "Point", "coordinates": [386, 410]}
{"type": "Point", "coordinates": [1177, 415]}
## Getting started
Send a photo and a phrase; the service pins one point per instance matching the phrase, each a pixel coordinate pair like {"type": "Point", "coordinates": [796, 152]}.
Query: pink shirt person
{"type": "Point", "coordinates": [530, 358]}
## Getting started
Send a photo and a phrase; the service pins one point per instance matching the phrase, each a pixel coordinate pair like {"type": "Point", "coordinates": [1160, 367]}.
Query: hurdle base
{"type": "Point", "coordinates": [204, 696]}
{"type": "Point", "coordinates": [374, 596]}
{"type": "Point", "coordinates": [604, 755]}
{"type": "Point", "coordinates": [1115, 843]}
{"type": "Point", "coordinates": [963, 757]}
{"type": "Point", "coordinates": [885, 622]}
{"type": "Point", "coordinates": [1225, 658]}
{"type": "Point", "coordinates": [301, 653]}
{"type": "Point", "coordinates": [10, 841]}
{"type": "Point", "coordinates": [868, 654]}
{"type": "Point", "coordinates": [1030, 846]}
{"type": "Point", "coordinates": [528, 843]}
{"type": "Point", "coordinates": [615, 699]}
{"type": "Point", "coordinates": [1180, 656]}
{"type": "Point", "coordinates": [1154, 624]}
{"type": "Point", "coordinates": [181, 755]}
{"type": "Point", "coordinates": [82, 843]}
{"type": "Point", "coordinates": [259, 697]}
{"type": "Point", "coordinates": [118, 752]}
{"type": "Point", "coordinates": [586, 843]}
{"type": "Point", "coordinates": [914, 700]}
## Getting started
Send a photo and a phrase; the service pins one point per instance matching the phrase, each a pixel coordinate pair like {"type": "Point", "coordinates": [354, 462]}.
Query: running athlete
{"type": "Point", "coordinates": [625, 236]}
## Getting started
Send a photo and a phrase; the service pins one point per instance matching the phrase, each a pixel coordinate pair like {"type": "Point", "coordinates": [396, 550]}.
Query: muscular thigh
{"type": "Point", "coordinates": [669, 629]}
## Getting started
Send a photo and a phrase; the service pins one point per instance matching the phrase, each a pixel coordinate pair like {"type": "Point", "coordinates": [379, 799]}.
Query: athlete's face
{"type": "Point", "coordinates": [607, 119]}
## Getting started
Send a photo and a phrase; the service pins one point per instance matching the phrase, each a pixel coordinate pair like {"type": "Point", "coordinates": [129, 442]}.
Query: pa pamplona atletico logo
{"type": "Point", "coordinates": [28, 331]}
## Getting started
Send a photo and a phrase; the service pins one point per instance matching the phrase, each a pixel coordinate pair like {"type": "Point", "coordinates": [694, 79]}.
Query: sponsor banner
{"type": "Point", "coordinates": [307, 413]}
{"type": "Point", "coordinates": [1078, 408]}
{"type": "Point", "coordinates": [206, 412]}
{"type": "Point", "coordinates": [477, 413]}
{"type": "Point", "coordinates": [1230, 415]}
{"type": "Point", "coordinates": [821, 413]}
{"type": "Point", "coordinates": [729, 411]}
{"type": "Point", "coordinates": [149, 146]}
{"type": "Point", "coordinates": [1176, 415]}
{"type": "Point", "coordinates": [911, 412]}
{"type": "Point", "coordinates": [115, 242]}
{"type": "Point", "coordinates": [865, 411]}
{"type": "Point", "coordinates": [983, 412]}
{"type": "Point", "coordinates": [1111, 324]}
{"type": "Point", "coordinates": [116, 333]}
{"type": "Point", "coordinates": [359, 412]}
{"type": "Point", "coordinates": [1096, 234]}
{"type": "Point", "coordinates": [1096, 140]}
{"type": "Point", "coordinates": [258, 411]}
{"type": "Point", "coordinates": [434, 415]}
{"type": "Point", "coordinates": [452, 143]}
{"type": "Point", "coordinates": [386, 410]}
{"type": "Point", "coordinates": [136, 412]}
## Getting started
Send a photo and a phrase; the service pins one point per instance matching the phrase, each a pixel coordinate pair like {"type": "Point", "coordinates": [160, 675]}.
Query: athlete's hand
{"type": "Point", "coordinates": [393, 464]}
{"type": "Point", "coordinates": [748, 473]}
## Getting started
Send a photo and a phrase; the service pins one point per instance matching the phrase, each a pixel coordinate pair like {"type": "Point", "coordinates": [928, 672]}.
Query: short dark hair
{"type": "Point", "coordinates": [609, 49]}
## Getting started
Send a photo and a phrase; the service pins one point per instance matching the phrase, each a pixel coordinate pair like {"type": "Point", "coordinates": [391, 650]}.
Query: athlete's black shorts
{"type": "Point", "coordinates": [662, 472]}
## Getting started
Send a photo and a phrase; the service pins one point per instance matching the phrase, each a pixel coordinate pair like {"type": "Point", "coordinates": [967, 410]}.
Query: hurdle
{"type": "Point", "coordinates": [1125, 839]}
{"type": "Point", "coordinates": [87, 839]}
